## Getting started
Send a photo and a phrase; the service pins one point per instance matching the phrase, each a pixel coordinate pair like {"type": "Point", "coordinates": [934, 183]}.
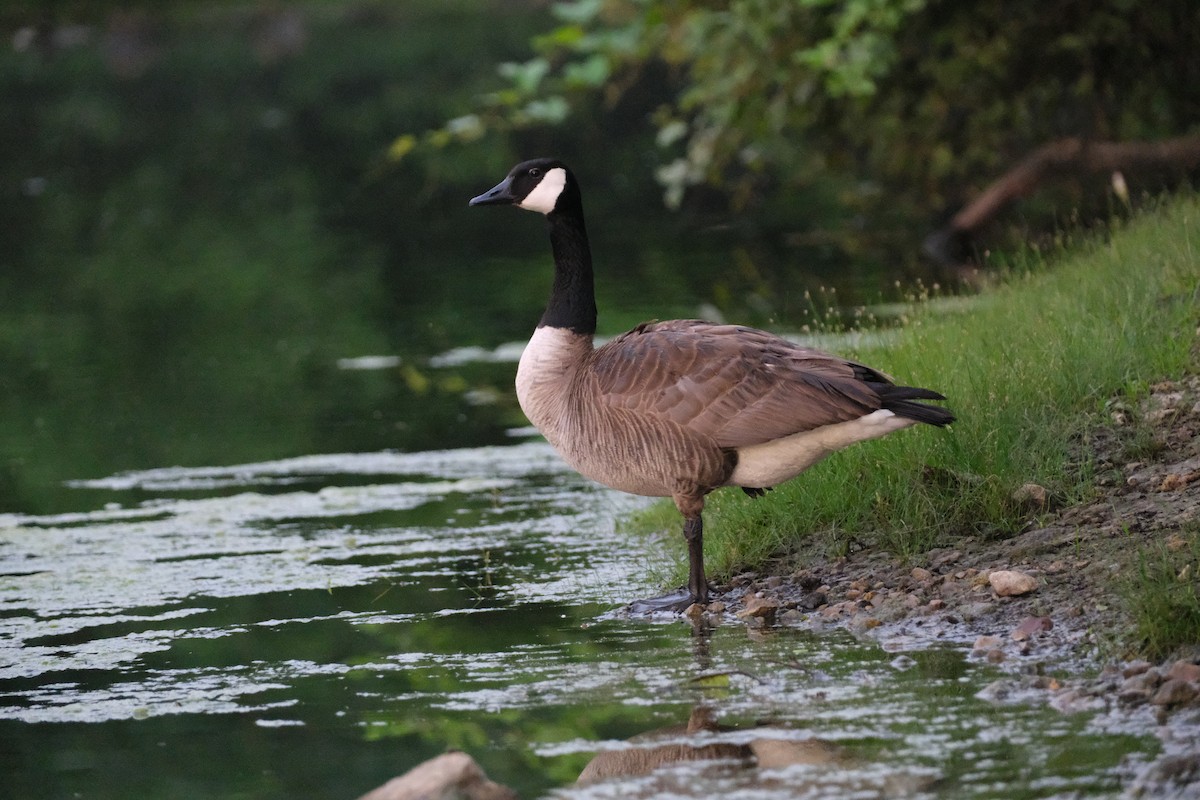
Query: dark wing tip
{"type": "Point", "coordinates": [901, 400]}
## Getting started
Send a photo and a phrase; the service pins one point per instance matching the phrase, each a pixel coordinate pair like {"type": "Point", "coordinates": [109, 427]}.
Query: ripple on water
{"type": "Point", "coordinates": [103, 591]}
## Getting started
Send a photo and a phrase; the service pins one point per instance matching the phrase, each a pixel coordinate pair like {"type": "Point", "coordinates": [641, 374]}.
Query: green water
{"type": "Point", "coordinates": [314, 626]}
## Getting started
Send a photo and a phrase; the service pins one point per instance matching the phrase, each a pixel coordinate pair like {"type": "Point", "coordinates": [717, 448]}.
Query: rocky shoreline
{"type": "Point", "coordinates": [1044, 606]}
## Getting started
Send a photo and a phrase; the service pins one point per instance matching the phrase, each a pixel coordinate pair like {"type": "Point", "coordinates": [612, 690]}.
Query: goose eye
{"type": "Point", "coordinates": [534, 172]}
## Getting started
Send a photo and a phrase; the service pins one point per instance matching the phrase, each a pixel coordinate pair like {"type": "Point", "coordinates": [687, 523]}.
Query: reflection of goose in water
{"type": "Point", "coordinates": [759, 762]}
{"type": "Point", "coordinates": [645, 756]}
{"type": "Point", "coordinates": [698, 759]}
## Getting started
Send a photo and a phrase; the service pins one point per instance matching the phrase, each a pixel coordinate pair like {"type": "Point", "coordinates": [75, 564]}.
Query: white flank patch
{"type": "Point", "coordinates": [545, 194]}
{"type": "Point", "coordinates": [772, 463]}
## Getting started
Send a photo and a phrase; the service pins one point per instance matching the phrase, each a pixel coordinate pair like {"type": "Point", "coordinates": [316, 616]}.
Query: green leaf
{"type": "Point", "coordinates": [528, 76]}
{"type": "Point", "coordinates": [466, 128]}
{"type": "Point", "coordinates": [551, 110]}
{"type": "Point", "coordinates": [590, 73]}
{"type": "Point", "coordinates": [564, 36]}
{"type": "Point", "coordinates": [401, 146]}
{"type": "Point", "coordinates": [579, 11]}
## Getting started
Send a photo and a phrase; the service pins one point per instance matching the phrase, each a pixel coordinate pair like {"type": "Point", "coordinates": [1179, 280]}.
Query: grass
{"type": "Point", "coordinates": [1028, 367]}
{"type": "Point", "coordinates": [1163, 596]}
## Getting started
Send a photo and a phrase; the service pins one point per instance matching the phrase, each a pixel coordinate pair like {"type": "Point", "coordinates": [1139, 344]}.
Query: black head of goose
{"type": "Point", "coordinates": [680, 408]}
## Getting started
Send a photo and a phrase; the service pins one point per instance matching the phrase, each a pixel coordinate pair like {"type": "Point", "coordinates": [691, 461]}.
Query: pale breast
{"type": "Point", "coordinates": [626, 449]}
{"type": "Point", "coordinates": [547, 368]}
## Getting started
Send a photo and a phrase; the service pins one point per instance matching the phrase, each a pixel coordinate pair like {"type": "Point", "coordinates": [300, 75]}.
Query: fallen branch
{"type": "Point", "coordinates": [950, 245]}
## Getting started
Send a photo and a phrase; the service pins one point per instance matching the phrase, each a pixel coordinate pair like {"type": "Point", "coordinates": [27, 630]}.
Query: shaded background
{"type": "Point", "coordinates": [205, 207]}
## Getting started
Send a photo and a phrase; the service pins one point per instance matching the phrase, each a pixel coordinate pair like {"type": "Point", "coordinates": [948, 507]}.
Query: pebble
{"type": "Point", "coordinates": [806, 580]}
{"type": "Point", "coordinates": [921, 574]}
{"type": "Point", "coordinates": [743, 579]}
{"type": "Point", "coordinates": [998, 690]}
{"type": "Point", "coordinates": [946, 558]}
{"type": "Point", "coordinates": [1044, 682]}
{"type": "Point", "coordinates": [1031, 496]}
{"type": "Point", "coordinates": [453, 774]}
{"type": "Point", "coordinates": [1073, 701]}
{"type": "Point", "coordinates": [1133, 697]}
{"type": "Point", "coordinates": [832, 612]}
{"type": "Point", "coordinates": [976, 610]}
{"type": "Point", "coordinates": [763, 608]}
{"type": "Point", "coordinates": [864, 623]}
{"type": "Point", "coordinates": [1175, 693]}
{"type": "Point", "coordinates": [1139, 686]}
{"type": "Point", "coordinates": [1184, 671]}
{"type": "Point", "coordinates": [1011, 582]}
{"type": "Point", "coordinates": [814, 601]}
{"type": "Point", "coordinates": [1168, 774]}
{"type": "Point", "coordinates": [1174, 481]}
{"type": "Point", "coordinates": [987, 643]}
{"type": "Point", "coordinates": [1031, 625]}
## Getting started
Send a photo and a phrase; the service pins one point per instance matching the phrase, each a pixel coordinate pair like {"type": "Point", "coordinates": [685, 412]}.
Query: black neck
{"type": "Point", "coordinates": [573, 298]}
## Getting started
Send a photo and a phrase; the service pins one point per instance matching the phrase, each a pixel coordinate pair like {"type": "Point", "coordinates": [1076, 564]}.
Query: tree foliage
{"type": "Point", "coordinates": [925, 98]}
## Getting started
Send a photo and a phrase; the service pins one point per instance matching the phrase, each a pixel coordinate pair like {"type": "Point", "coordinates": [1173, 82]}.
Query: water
{"type": "Point", "coordinates": [314, 626]}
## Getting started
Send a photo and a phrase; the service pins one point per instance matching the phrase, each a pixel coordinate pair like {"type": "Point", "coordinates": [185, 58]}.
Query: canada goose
{"type": "Point", "coordinates": [680, 408]}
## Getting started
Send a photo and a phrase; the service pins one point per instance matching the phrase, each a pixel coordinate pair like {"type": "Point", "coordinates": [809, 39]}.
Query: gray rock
{"type": "Point", "coordinates": [1184, 671]}
{"type": "Point", "coordinates": [1074, 701]}
{"type": "Point", "coordinates": [1031, 496]}
{"type": "Point", "coordinates": [1175, 693]}
{"type": "Point", "coordinates": [1011, 582]}
{"type": "Point", "coordinates": [450, 776]}
{"type": "Point", "coordinates": [1175, 773]}
{"type": "Point", "coordinates": [987, 643]}
{"type": "Point", "coordinates": [1139, 687]}
{"type": "Point", "coordinates": [1136, 668]}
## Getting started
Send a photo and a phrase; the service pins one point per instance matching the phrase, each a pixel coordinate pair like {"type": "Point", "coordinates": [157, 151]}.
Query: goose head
{"type": "Point", "coordinates": [544, 185]}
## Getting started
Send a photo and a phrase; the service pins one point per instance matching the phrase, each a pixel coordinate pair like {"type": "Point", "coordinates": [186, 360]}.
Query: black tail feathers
{"type": "Point", "coordinates": [900, 401]}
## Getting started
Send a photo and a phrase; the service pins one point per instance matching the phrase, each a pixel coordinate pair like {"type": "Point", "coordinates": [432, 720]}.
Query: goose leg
{"type": "Point", "coordinates": [693, 534]}
{"type": "Point", "coordinates": [697, 589]}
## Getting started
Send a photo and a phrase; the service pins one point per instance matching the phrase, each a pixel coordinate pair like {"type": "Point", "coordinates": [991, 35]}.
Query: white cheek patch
{"type": "Point", "coordinates": [545, 194]}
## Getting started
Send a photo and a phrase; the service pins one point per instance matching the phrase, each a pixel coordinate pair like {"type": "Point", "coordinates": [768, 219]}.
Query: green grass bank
{"type": "Point", "coordinates": [1031, 369]}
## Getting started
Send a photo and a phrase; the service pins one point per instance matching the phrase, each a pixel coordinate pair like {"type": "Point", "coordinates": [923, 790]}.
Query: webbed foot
{"type": "Point", "coordinates": [673, 602]}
